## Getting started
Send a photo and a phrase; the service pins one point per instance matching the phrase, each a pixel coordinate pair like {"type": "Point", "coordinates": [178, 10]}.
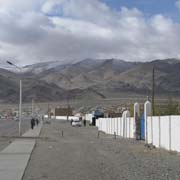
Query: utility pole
{"type": "Point", "coordinates": [20, 93]}
{"type": "Point", "coordinates": [67, 110]}
{"type": "Point", "coordinates": [68, 105]}
{"type": "Point", "coordinates": [153, 85]}
{"type": "Point", "coordinates": [32, 107]}
{"type": "Point", "coordinates": [48, 111]}
{"type": "Point", "coordinates": [20, 106]}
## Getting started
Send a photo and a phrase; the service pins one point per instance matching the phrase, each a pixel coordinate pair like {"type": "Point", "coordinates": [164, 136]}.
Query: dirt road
{"type": "Point", "coordinates": [80, 155]}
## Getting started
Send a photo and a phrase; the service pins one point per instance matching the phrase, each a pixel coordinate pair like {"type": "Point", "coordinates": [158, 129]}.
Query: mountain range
{"type": "Point", "coordinates": [90, 79]}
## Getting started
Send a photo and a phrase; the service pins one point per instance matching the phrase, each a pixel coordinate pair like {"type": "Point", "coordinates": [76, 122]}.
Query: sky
{"type": "Point", "coordinates": [148, 7]}
{"type": "Point", "coordinates": [66, 30]}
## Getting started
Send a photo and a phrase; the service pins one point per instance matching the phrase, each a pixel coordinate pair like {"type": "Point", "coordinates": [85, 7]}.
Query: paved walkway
{"type": "Point", "coordinates": [15, 157]}
{"type": "Point", "coordinates": [33, 132]}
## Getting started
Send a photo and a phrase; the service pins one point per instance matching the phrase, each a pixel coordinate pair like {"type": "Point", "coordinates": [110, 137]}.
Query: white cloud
{"type": "Point", "coordinates": [75, 29]}
{"type": "Point", "coordinates": [178, 4]}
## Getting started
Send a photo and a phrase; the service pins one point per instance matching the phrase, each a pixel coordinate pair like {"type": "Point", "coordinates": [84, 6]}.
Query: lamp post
{"type": "Point", "coordinates": [20, 95]}
{"type": "Point", "coordinates": [153, 87]}
{"type": "Point", "coordinates": [32, 107]}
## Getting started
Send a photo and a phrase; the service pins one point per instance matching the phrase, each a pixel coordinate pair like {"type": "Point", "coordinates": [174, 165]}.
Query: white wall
{"type": "Point", "coordinates": [164, 132]}
{"type": "Point", "coordinates": [161, 131]}
{"type": "Point", "coordinates": [45, 116]}
{"type": "Point", "coordinates": [175, 133]}
{"type": "Point", "coordinates": [65, 118]}
{"type": "Point", "coordinates": [62, 117]}
{"type": "Point", "coordinates": [89, 117]}
{"type": "Point", "coordinates": [124, 127]}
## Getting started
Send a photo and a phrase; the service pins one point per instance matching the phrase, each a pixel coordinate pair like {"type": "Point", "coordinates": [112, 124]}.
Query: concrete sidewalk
{"type": "Point", "coordinates": [15, 157]}
{"type": "Point", "coordinates": [33, 132]}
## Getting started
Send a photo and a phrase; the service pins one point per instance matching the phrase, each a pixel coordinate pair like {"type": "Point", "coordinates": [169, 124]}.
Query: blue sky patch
{"type": "Point", "coordinates": [148, 7]}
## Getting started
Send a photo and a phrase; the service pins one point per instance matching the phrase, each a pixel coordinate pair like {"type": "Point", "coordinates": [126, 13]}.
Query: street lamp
{"type": "Point", "coordinates": [20, 95]}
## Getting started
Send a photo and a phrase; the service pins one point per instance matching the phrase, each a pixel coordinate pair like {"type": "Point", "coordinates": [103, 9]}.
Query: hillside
{"type": "Point", "coordinates": [90, 78]}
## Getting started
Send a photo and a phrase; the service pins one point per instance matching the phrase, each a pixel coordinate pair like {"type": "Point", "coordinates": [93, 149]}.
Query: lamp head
{"type": "Point", "coordinates": [9, 62]}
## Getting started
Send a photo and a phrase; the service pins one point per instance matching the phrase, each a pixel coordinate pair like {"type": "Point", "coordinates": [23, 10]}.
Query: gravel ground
{"type": "Point", "coordinates": [80, 155]}
{"type": "Point", "coordinates": [8, 129]}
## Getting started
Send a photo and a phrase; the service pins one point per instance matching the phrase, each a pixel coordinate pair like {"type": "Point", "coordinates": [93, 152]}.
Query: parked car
{"type": "Point", "coordinates": [76, 123]}
{"type": "Point", "coordinates": [16, 118]}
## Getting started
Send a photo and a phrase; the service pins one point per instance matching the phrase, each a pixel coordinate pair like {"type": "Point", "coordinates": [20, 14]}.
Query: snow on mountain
{"type": "Point", "coordinates": [41, 67]}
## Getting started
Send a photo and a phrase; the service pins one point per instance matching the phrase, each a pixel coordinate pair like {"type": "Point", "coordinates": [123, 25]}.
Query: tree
{"type": "Point", "coordinates": [172, 107]}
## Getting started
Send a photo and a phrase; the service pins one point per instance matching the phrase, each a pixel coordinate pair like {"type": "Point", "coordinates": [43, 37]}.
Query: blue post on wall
{"type": "Point", "coordinates": [143, 127]}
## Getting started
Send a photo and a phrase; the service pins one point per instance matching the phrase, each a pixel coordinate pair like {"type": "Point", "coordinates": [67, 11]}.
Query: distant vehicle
{"type": "Point", "coordinates": [76, 123]}
{"type": "Point", "coordinates": [3, 117]}
{"type": "Point", "coordinates": [16, 118]}
{"type": "Point", "coordinates": [98, 114]}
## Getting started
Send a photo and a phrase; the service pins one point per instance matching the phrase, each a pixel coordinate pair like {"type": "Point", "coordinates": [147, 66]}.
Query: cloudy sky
{"type": "Point", "coordinates": [43, 30]}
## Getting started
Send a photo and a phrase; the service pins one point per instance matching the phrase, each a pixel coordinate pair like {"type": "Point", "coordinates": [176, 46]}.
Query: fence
{"type": "Point", "coordinates": [89, 117]}
{"type": "Point", "coordinates": [124, 127]}
{"type": "Point", "coordinates": [161, 131]}
{"type": "Point", "coordinates": [63, 117]}
{"type": "Point", "coordinates": [164, 132]}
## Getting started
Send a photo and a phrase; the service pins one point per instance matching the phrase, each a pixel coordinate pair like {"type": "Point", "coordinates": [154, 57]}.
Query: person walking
{"type": "Point", "coordinates": [32, 123]}
{"type": "Point", "coordinates": [84, 121]}
{"type": "Point", "coordinates": [37, 121]}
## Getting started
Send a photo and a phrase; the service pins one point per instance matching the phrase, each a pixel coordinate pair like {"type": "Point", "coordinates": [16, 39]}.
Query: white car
{"type": "Point", "coordinates": [76, 123]}
{"type": "Point", "coordinates": [16, 118]}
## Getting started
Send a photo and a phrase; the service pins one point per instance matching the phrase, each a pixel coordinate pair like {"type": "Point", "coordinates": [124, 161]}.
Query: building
{"type": "Point", "coordinates": [63, 111]}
